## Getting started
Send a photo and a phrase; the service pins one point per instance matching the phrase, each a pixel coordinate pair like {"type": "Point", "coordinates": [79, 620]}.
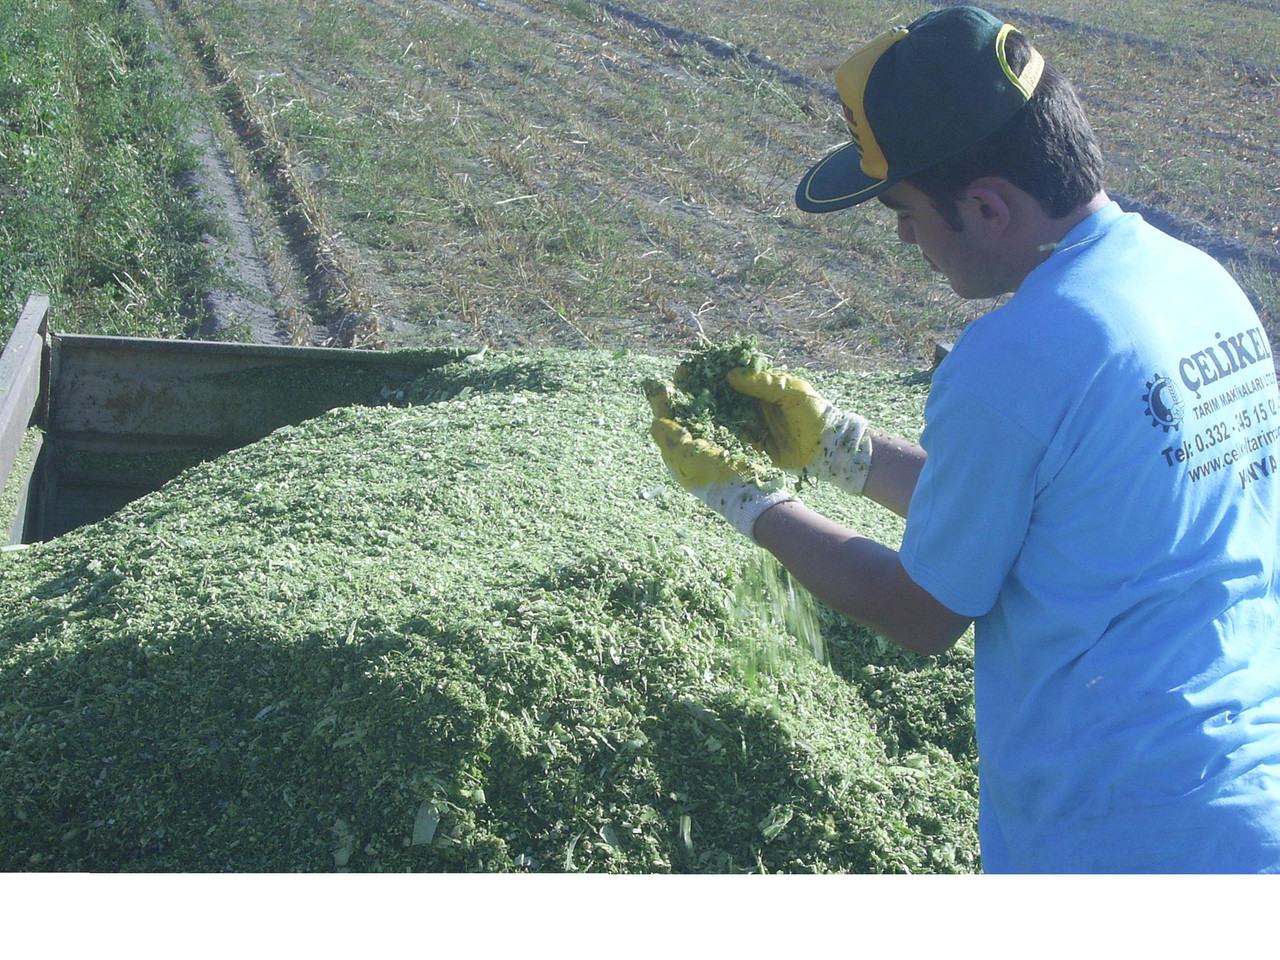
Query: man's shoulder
{"type": "Point", "coordinates": [1122, 244]}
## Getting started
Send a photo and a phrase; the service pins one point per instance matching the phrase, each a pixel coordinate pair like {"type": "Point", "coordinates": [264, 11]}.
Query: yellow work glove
{"type": "Point", "coordinates": [707, 471]}
{"type": "Point", "coordinates": [805, 432]}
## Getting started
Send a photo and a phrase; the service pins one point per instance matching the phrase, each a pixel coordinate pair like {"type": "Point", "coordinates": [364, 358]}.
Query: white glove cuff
{"type": "Point", "coordinates": [845, 459]}
{"type": "Point", "coordinates": [740, 503]}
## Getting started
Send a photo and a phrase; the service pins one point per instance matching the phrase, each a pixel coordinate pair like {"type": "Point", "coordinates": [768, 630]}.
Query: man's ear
{"type": "Point", "coordinates": [989, 198]}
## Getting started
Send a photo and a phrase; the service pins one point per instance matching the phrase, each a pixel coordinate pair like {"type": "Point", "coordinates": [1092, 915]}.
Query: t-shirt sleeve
{"type": "Point", "coordinates": [972, 505]}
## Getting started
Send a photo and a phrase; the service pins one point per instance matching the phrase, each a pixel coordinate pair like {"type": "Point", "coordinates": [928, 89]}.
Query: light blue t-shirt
{"type": "Point", "coordinates": [1101, 495]}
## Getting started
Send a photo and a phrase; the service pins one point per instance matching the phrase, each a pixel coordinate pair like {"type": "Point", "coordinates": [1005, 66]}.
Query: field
{"type": "Point", "coordinates": [474, 628]}
{"type": "Point", "coordinates": [572, 173]}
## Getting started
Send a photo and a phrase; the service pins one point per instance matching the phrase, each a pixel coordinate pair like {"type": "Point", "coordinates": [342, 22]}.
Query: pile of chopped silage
{"type": "Point", "coordinates": [477, 631]}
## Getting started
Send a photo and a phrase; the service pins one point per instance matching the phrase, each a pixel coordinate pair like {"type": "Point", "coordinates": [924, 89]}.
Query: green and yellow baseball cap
{"type": "Point", "coordinates": [913, 97]}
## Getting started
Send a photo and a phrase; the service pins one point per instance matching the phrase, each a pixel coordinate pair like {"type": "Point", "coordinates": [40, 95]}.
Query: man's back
{"type": "Point", "coordinates": [1099, 496]}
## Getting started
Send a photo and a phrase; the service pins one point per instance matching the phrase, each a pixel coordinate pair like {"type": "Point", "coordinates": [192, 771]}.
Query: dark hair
{"type": "Point", "coordinates": [1047, 149]}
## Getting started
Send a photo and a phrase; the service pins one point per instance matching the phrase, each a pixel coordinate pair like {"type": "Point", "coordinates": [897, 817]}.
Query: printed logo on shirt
{"type": "Point", "coordinates": [1164, 404]}
{"type": "Point", "coordinates": [1232, 428]}
{"type": "Point", "coordinates": [1223, 358]}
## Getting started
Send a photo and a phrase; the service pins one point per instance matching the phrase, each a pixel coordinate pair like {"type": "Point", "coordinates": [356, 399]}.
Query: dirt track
{"type": "Point", "coordinates": [243, 301]}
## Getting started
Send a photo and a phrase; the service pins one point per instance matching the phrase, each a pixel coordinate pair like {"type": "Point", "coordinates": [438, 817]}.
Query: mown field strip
{"type": "Point", "coordinates": [1219, 246]}
{"type": "Point", "coordinates": [337, 311]}
{"type": "Point", "coordinates": [609, 175]}
{"type": "Point", "coordinates": [1210, 68]}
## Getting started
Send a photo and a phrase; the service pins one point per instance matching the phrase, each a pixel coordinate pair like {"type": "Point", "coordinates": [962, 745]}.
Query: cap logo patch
{"type": "Point", "coordinates": [852, 123]}
{"type": "Point", "coordinates": [851, 82]}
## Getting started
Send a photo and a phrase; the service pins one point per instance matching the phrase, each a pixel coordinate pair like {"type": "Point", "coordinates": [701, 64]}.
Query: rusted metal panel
{"type": "Point", "coordinates": [203, 392]}
{"type": "Point", "coordinates": [126, 415]}
{"type": "Point", "coordinates": [121, 416]}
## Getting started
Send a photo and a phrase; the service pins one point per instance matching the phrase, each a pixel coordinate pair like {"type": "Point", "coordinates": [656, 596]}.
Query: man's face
{"type": "Point", "coordinates": [965, 257]}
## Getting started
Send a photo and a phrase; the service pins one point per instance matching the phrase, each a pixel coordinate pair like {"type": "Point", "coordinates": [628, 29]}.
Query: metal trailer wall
{"type": "Point", "coordinates": [120, 417]}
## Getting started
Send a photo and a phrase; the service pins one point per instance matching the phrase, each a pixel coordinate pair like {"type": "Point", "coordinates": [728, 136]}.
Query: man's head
{"type": "Point", "coordinates": [956, 96]}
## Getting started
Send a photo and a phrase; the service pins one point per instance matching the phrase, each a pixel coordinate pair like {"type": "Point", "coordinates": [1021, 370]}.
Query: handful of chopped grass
{"type": "Point", "coordinates": [710, 409]}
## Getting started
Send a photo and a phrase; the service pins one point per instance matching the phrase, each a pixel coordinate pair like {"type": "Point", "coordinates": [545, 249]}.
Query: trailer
{"type": "Point", "coordinates": [91, 423]}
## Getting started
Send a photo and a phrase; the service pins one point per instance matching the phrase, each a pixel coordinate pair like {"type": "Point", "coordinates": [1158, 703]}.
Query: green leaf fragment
{"type": "Point", "coordinates": [776, 822]}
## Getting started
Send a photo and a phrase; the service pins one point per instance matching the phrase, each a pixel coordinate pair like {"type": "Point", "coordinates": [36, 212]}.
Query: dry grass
{"type": "Point", "coordinates": [561, 173]}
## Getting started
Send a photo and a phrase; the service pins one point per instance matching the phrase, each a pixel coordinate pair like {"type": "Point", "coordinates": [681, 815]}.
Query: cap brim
{"type": "Point", "coordinates": [836, 182]}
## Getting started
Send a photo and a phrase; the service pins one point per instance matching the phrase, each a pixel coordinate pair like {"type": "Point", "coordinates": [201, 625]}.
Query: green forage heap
{"type": "Point", "coordinates": [422, 637]}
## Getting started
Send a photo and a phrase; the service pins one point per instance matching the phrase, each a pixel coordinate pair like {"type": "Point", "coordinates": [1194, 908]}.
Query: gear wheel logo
{"type": "Point", "coordinates": [1164, 405]}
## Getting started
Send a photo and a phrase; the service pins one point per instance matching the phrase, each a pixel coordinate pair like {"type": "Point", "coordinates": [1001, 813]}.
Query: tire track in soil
{"type": "Point", "coordinates": [334, 296]}
{"type": "Point", "coordinates": [227, 308]}
{"type": "Point", "coordinates": [1259, 72]}
{"type": "Point", "coordinates": [238, 304]}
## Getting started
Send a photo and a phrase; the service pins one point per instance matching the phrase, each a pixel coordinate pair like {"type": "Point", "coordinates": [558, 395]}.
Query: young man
{"type": "Point", "coordinates": [1095, 488]}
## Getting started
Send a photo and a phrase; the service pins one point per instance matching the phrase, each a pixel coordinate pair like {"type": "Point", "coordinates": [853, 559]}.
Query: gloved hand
{"type": "Point", "coordinates": [707, 471]}
{"type": "Point", "coordinates": [805, 432]}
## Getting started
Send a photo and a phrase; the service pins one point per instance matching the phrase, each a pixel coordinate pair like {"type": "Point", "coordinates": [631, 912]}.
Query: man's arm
{"type": "Point", "coordinates": [858, 577]}
{"type": "Point", "coordinates": [895, 468]}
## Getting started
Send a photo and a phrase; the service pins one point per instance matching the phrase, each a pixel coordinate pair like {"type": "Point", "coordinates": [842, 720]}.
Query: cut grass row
{"type": "Point", "coordinates": [91, 161]}
{"type": "Point", "coordinates": [318, 295]}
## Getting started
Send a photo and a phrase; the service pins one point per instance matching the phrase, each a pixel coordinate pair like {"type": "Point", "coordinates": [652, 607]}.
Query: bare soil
{"type": "Point", "coordinates": [242, 306]}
